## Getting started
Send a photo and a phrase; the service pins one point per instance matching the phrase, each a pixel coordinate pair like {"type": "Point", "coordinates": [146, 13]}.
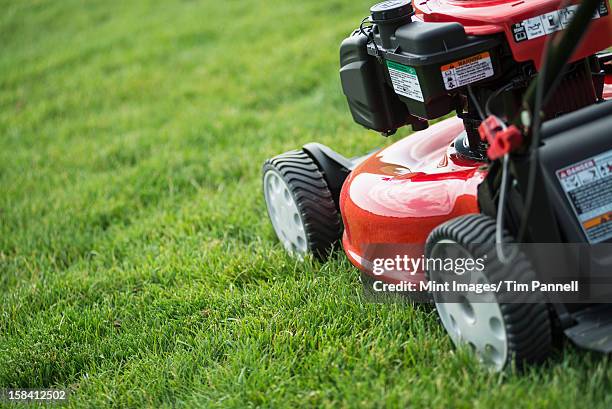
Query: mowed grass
{"type": "Point", "coordinates": [137, 263]}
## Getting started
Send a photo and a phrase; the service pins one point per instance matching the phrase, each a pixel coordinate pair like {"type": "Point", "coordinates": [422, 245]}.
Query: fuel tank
{"type": "Point", "coordinates": [401, 193]}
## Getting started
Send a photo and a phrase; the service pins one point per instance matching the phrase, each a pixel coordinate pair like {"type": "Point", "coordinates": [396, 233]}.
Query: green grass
{"type": "Point", "coordinates": [137, 264]}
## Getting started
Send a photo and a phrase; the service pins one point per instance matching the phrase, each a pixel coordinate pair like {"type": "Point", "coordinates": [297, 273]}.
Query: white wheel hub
{"type": "Point", "coordinates": [476, 320]}
{"type": "Point", "coordinates": [284, 213]}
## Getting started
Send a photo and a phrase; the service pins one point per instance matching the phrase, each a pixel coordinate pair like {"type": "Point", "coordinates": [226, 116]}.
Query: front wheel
{"type": "Point", "coordinates": [500, 333]}
{"type": "Point", "coordinates": [300, 204]}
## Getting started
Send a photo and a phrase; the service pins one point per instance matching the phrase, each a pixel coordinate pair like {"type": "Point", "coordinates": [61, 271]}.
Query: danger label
{"type": "Point", "coordinates": [548, 23]}
{"type": "Point", "coordinates": [405, 80]}
{"type": "Point", "coordinates": [467, 71]}
{"type": "Point", "coordinates": [588, 186]}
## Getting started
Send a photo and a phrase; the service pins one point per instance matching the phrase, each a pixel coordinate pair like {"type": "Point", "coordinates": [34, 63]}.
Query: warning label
{"type": "Point", "coordinates": [467, 71]}
{"type": "Point", "coordinates": [405, 80]}
{"type": "Point", "coordinates": [548, 23]}
{"type": "Point", "coordinates": [588, 186]}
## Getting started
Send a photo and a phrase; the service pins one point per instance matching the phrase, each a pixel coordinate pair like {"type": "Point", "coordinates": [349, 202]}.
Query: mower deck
{"type": "Point", "coordinates": [401, 193]}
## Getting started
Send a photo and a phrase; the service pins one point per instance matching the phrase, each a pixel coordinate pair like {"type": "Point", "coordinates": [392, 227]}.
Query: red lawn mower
{"type": "Point", "coordinates": [530, 83]}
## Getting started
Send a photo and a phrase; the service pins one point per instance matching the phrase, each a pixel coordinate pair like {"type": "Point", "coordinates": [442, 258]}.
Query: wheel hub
{"type": "Point", "coordinates": [477, 319]}
{"type": "Point", "coordinates": [284, 213]}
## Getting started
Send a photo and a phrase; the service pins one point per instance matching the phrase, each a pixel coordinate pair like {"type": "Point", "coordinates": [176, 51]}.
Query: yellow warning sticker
{"type": "Point", "coordinates": [597, 221]}
{"type": "Point", "coordinates": [467, 70]}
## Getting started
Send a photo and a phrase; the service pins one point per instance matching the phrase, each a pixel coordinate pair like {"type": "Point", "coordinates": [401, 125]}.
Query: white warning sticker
{"type": "Point", "coordinates": [588, 186]}
{"type": "Point", "coordinates": [405, 80]}
{"type": "Point", "coordinates": [467, 71]}
{"type": "Point", "coordinates": [548, 23]}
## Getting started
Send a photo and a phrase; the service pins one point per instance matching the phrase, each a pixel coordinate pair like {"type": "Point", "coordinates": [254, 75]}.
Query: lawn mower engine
{"type": "Point", "coordinates": [411, 65]}
{"type": "Point", "coordinates": [530, 83]}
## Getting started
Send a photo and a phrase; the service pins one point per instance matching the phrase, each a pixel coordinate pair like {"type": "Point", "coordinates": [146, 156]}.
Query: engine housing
{"type": "Point", "coordinates": [415, 63]}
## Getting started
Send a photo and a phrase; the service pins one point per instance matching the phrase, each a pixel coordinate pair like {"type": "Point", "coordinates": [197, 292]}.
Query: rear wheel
{"type": "Point", "coordinates": [499, 332]}
{"type": "Point", "coordinates": [300, 204]}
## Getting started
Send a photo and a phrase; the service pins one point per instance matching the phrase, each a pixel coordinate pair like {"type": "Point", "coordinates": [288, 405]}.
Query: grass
{"type": "Point", "coordinates": [137, 264]}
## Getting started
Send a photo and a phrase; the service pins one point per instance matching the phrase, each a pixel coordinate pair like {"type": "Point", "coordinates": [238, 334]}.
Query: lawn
{"type": "Point", "coordinates": [137, 263]}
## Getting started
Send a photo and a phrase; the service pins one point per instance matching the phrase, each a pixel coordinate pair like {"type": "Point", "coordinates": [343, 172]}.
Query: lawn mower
{"type": "Point", "coordinates": [525, 161]}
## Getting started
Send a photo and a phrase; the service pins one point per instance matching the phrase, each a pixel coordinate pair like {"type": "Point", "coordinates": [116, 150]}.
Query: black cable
{"type": "Point", "coordinates": [475, 102]}
{"type": "Point", "coordinates": [535, 141]}
{"type": "Point", "coordinates": [370, 37]}
{"type": "Point", "coordinates": [361, 26]}
{"type": "Point", "coordinates": [499, 219]}
{"type": "Point", "coordinates": [494, 95]}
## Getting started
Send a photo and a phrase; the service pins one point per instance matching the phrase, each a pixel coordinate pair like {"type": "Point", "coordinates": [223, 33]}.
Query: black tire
{"type": "Point", "coordinates": [527, 325]}
{"type": "Point", "coordinates": [306, 183]}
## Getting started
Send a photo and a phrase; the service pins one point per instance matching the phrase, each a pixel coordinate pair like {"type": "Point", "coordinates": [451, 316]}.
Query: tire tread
{"type": "Point", "coordinates": [528, 325]}
{"type": "Point", "coordinates": [313, 198]}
